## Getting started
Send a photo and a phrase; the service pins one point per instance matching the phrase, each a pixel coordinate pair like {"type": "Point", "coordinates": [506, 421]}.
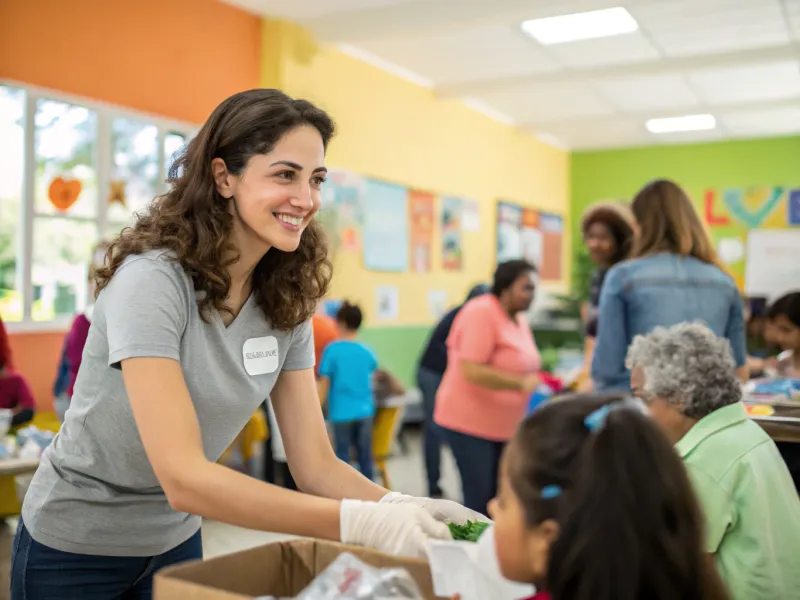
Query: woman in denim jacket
{"type": "Point", "coordinates": [673, 277]}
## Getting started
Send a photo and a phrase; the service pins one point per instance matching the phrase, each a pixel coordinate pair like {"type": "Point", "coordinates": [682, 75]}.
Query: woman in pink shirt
{"type": "Point", "coordinates": [492, 363]}
{"type": "Point", "coordinates": [14, 391]}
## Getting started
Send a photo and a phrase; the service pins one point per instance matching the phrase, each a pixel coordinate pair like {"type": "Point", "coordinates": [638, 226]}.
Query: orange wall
{"type": "Point", "coordinates": [174, 58]}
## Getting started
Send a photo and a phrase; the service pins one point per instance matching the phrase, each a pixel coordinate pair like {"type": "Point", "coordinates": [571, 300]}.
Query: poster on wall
{"type": "Point", "coordinates": [437, 304]}
{"type": "Point", "coordinates": [342, 211]}
{"type": "Point", "coordinates": [509, 228]}
{"type": "Point", "coordinates": [551, 227]}
{"type": "Point", "coordinates": [421, 209]}
{"type": "Point", "coordinates": [772, 267]}
{"type": "Point", "coordinates": [470, 216]}
{"type": "Point", "coordinates": [731, 214]}
{"type": "Point", "coordinates": [451, 233]}
{"type": "Point", "coordinates": [531, 241]}
{"type": "Point", "coordinates": [385, 226]}
{"type": "Point", "coordinates": [387, 303]}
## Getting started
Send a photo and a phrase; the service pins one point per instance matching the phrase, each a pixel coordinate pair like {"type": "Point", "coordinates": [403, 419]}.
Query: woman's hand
{"type": "Point", "coordinates": [395, 529]}
{"type": "Point", "coordinates": [530, 383]}
{"type": "Point", "coordinates": [441, 510]}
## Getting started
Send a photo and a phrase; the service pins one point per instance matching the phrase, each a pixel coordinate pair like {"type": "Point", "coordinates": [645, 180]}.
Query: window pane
{"type": "Point", "coordinates": [66, 136]}
{"type": "Point", "coordinates": [135, 168]}
{"type": "Point", "coordinates": [62, 251]}
{"type": "Point", "coordinates": [12, 155]}
{"type": "Point", "coordinates": [173, 143]}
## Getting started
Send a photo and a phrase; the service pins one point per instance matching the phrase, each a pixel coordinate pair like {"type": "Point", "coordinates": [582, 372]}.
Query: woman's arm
{"type": "Point", "coordinates": [611, 346]}
{"type": "Point", "coordinates": [737, 337]}
{"type": "Point", "coordinates": [495, 379]}
{"type": "Point", "coordinates": [314, 465]}
{"type": "Point", "coordinates": [170, 433]}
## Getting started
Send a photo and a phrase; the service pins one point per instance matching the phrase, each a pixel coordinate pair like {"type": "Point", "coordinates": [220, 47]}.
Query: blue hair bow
{"type": "Point", "coordinates": [551, 491]}
{"type": "Point", "coordinates": [595, 420]}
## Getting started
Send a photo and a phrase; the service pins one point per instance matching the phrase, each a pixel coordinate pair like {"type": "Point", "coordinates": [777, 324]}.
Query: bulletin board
{"type": "Point", "coordinates": [756, 231]}
{"type": "Point", "coordinates": [536, 236]}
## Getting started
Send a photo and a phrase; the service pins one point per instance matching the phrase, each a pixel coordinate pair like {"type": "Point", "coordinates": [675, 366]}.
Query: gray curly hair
{"type": "Point", "coordinates": [688, 366]}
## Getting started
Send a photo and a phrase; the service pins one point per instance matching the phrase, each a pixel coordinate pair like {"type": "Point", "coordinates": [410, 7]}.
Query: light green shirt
{"type": "Point", "coordinates": [751, 506]}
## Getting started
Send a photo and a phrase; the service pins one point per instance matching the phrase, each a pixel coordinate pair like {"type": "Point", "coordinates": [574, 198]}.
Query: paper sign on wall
{"type": "Point", "coordinates": [470, 216]}
{"type": "Point", "coordinates": [437, 304]}
{"type": "Point", "coordinates": [387, 302]}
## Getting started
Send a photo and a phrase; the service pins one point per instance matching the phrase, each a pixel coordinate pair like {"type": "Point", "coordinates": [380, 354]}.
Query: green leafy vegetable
{"type": "Point", "coordinates": [469, 531]}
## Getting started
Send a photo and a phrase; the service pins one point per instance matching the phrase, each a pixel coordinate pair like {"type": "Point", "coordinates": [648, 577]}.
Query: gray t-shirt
{"type": "Point", "coordinates": [95, 491]}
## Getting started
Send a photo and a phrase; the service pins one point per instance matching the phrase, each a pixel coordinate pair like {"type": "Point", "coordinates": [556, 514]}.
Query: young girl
{"type": "Point", "coordinates": [14, 391]}
{"type": "Point", "coordinates": [594, 504]}
{"type": "Point", "coordinates": [785, 317]}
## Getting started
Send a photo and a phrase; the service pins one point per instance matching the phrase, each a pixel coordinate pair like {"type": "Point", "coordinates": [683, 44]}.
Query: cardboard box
{"type": "Point", "coordinates": [280, 569]}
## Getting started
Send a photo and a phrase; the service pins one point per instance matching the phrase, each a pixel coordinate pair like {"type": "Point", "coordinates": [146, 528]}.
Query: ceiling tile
{"type": "Point", "coordinates": [770, 81]}
{"type": "Point", "coordinates": [620, 49]}
{"type": "Point", "coordinates": [608, 132]}
{"type": "Point", "coordinates": [777, 121]}
{"type": "Point", "coordinates": [690, 137]}
{"type": "Point", "coordinates": [467, 55]}
{"type": "Point", "coordinates": [690, 27]}
{"type": "Point", "coordinates": [538, 103]}
{"type": "Point", "coordinates": [309, 9]}
{"type": "Point", "coordinates": [657, 92]}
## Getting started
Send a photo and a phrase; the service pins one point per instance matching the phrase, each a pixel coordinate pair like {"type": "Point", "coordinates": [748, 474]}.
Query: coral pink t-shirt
{"type": "Point", "coordinates": [483, 333]}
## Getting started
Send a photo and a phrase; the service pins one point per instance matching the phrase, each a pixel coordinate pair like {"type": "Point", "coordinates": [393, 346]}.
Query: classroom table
{"type": "Point", "coordinates": [784, 428]}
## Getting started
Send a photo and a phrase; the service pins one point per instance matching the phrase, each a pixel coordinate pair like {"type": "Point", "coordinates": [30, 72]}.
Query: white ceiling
{"type": "Point", "coordinates": [737, 59]}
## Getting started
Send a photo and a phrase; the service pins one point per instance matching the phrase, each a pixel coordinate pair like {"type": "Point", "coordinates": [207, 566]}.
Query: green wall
{"type": "Point", "coordinates": [398, 348]}
{"type": "Point", "coordinates": [618, 174]}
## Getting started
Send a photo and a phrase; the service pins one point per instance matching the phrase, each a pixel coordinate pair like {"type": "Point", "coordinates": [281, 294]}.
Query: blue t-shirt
{"type": "Point", "coordinates": [350, 366]}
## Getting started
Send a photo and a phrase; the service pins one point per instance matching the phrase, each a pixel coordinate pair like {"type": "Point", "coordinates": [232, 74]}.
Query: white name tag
{"type": "Point", "coordinates": [260, 355]}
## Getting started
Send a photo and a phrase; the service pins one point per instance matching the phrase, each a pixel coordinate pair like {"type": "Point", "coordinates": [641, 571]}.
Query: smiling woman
{"type": "Point", "coordinates": [203, 312]}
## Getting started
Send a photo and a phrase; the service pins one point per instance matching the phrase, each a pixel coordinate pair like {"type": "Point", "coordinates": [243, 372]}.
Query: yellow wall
{"type": "Point", "coordinates": [396, 131]}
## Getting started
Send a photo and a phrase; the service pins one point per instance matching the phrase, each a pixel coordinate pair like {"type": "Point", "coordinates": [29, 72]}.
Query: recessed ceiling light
{"type": "Point", "coordinates": [581, 26]}
{"type": "Point", "coordinates": [679, 124]}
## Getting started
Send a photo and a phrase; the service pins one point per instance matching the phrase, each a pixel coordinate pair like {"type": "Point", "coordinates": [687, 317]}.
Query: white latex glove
{"type": "Point", "coordinates": [441, 510]}
{"type": "Point", "coordinates": [401, 530]}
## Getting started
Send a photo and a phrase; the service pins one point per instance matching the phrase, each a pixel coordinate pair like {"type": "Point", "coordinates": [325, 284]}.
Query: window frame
{"type": "Point", "coordinates": [105, 113]}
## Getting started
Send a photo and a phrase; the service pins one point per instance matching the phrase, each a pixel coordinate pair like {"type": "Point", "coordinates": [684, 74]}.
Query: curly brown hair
{"type": "Point", "coordinates": [619, 221]}
{"type": "Point", "coordinates": [192, 222]}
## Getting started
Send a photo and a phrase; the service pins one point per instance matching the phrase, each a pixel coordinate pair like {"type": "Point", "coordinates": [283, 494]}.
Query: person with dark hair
{"type": "Point", "coordinates": [203, 311]}
{"type": "Point", "coordinates": [784, 317]}
{"type": "Point", "coordinates": [685, 375]}
{"type": "Point", "coordinates": [673, 276]}
{"type": "Point", "coordinates": [432, 365]}
{"type": "Point", "coordinates": [347, 371]}
{"type": "Point", "coordinates": [594, 504]}
{"type": "Point", "coordinates": [607, 230]}
{"type": "Point", "coordinates": [492, 365]}
{"type": "Point", "coordinates": [15, 394]}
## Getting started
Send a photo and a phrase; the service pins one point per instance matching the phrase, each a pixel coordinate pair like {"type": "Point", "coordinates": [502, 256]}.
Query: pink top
{"type": "Point", "coordinates": [14, 391]}
{"type": "Point", "coordinates": [76, 340]}
{"type": "Point", "coordinates": [483, 333]}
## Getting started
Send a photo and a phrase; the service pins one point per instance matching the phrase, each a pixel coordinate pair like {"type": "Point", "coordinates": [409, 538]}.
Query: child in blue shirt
{"type": "Point", "coordinates": [346, 371]}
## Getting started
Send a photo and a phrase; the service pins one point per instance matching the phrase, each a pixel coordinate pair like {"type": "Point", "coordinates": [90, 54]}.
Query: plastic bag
{"type": "Point", "coordinates": [347, 578]}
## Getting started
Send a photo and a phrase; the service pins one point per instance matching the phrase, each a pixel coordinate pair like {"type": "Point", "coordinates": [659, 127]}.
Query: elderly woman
{"type": "Point", "coordinates": [686, 375]}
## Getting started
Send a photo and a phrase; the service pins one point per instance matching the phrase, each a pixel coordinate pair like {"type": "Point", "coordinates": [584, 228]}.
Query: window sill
{"type": "Point", "coordinates": [58, 326]}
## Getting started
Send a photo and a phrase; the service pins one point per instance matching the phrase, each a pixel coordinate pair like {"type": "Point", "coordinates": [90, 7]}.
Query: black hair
{"type": "Point", "coordinates": [508, 272]}
{"type": "Point", "coordinates": [630, 526]}
{"type": "Point", "coordinates": [350, 316]}
{"type": "Point", "coordinates": [787, 306]}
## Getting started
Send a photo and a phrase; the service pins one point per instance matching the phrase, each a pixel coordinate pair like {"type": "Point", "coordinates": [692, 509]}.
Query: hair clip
{"type": "Point", "coordinates": [550, 491]}
{"type": "Point", "coordinates": [595, 420]}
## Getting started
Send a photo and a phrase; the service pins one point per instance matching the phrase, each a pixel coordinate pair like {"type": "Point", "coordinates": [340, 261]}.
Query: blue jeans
{"type": "Point", "coordinates": [428, 382]}
{"type": "Point", "coordinates": [478, 462]}
{"type": "Point", "coordinates": [356, 434]}
{"type": "Point", "coordinates": [42, 573]}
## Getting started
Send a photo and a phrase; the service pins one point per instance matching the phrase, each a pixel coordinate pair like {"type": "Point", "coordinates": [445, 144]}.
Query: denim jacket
{"type": "Point", "coordinates": [661, 290]}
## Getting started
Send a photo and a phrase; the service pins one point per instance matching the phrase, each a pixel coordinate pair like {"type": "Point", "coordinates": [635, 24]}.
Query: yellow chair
{"type": "Point", "coordinates": [252, 436]}
{"type": "Point", "coordinates": [9, 499]}
{"type": "Point", "coordinates": [387, 421]}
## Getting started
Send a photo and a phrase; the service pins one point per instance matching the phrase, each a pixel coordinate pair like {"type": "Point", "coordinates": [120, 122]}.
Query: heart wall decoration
{"type": "Point", "coordinates": [63, 193]}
